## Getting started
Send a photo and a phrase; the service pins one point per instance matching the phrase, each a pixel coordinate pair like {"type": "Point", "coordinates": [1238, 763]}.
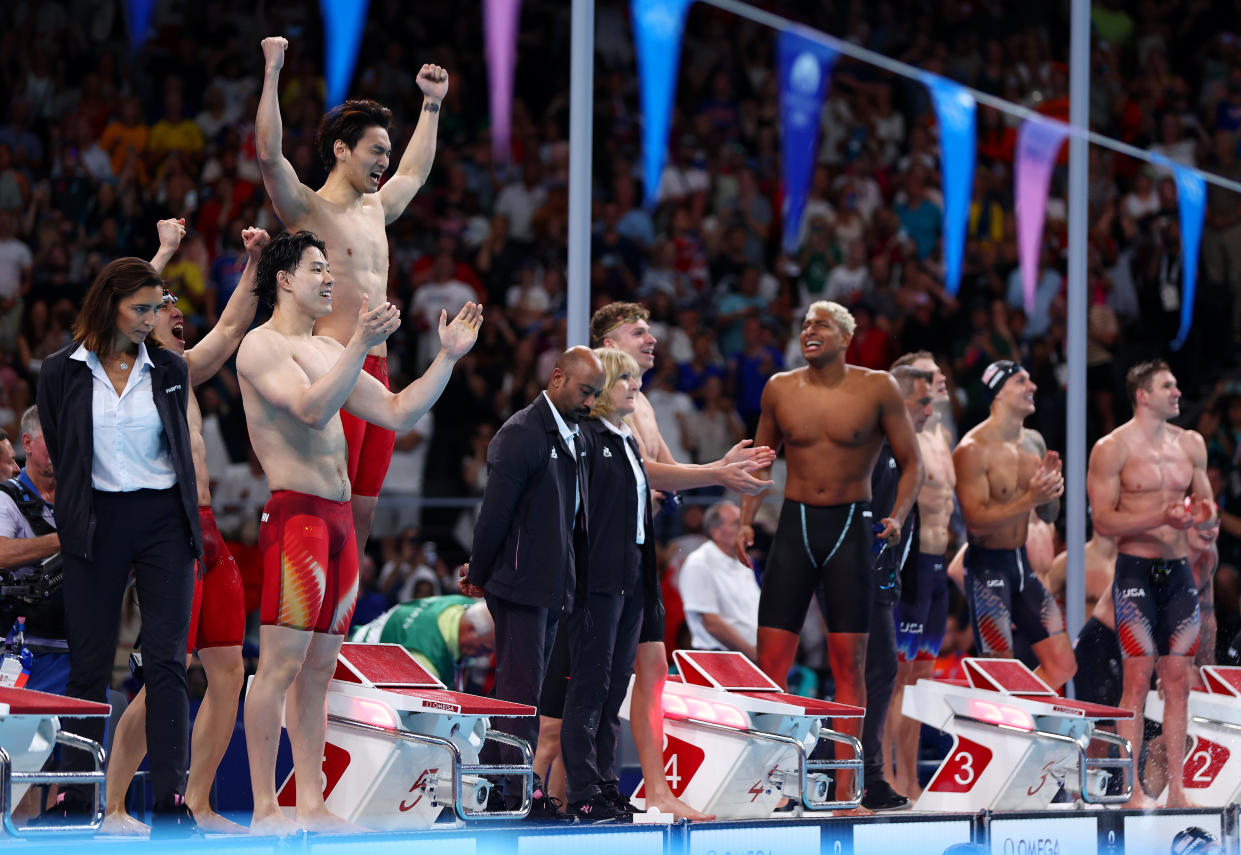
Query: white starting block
{"type": "Point", "coordinates": [400, 747]}
{"type": "Point", "coordinates": [1014, 741]}
{"type": "Point", "coordinates": [29, 730]}
{"type": "Point", "coordinates": [735, 745]}
{"type": "Point", "coordinates": [1212, 773]}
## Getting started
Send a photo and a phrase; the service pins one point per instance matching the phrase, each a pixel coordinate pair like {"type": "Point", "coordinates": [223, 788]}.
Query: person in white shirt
{"type": "Point", "coordinates": [113, 406]}
{"type": "Point", "coordinates": [720, 594]}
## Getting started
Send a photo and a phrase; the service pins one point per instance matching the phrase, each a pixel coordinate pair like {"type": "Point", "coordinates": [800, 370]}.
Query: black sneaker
{"type": "Point", "coordinates": [172, 819]}
{"type": "Point", "coordinates": [598, 808]}
{"type": "Point", "coordinates": [880, 796]}
{"type": "Point", "coordinates": [618, 801]}
{"type": "Point", "coordinates": [545, 808]}
{"type": "Point", "coordinates": [69, 810]}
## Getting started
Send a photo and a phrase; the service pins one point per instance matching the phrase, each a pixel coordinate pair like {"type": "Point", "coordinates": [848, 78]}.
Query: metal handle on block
{"type": "Point", "coordinates": [1124, 763]}
{"type": "Point", "coordinates": [804, 765]}
{"type": "Point", "coordinates": [1084, 763]}
{"type": "Point", "coordinates": [8, 776]}
{"type": "Point", "coordinates": [460, 769]}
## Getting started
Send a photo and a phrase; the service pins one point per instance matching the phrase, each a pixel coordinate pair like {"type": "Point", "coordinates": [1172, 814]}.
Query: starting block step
{"type": "Point", "coordinates": [1211, 774]}
{"type": "Point", "coordinates": [736, 745]}
{"type": "Point", "coordinates": [1016, 742]}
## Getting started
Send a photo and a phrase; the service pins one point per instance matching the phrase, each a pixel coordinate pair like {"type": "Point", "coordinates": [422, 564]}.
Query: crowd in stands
{"type": "Point", "coordinates": [98, 143]}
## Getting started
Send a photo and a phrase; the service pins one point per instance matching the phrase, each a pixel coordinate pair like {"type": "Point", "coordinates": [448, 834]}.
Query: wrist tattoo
{"type": "Point", "coordinates": [431, 107]}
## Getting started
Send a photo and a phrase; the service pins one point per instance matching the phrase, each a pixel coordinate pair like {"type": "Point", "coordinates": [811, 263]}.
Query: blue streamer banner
{"type": "Point", "coordinates": [1191, 198]}
{"type": "Point", "coordinates": [343, 23]}
{"type": "Point", "coordinates": [657, 26]}
{"type": "Point", "coordinates": [804, 67]}
{"type": "Point", "coordinates": [138, 21]}
{"type": "Point", "coordinates": [955, 109]}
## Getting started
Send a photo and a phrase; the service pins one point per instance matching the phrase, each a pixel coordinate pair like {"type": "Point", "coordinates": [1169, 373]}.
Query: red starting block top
{"type": "Point", "coordinates": [810, 706]}
{"type": "Point", "coordinates": [382, 666]}
{"type": "Point", "coordinates": [1222, 680]}
{"type": "Point", "coordinates": [458, 702]}
{"type": "Point", "coordinates": [1006, 676]}
{"type": "Point", "coordinates": [30, 702]}
{"type": "Point", "coordinates": [722, 669]}
{"type": "Point", "coordinates": [1081, 708]}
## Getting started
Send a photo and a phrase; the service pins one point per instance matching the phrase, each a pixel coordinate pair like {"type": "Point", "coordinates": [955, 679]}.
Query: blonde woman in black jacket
{"type": "Point", "coordinates": [603, 630]}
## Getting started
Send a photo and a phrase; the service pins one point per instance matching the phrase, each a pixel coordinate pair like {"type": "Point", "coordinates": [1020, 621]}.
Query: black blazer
{"type": "Point", "coordinates": [64, 398]}
{"type": "Point", "coordinates": [524, 540]}
{"type": "Point", "coordinates": [614, 516]}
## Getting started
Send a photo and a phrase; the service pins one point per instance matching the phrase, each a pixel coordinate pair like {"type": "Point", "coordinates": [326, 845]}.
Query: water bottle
{"type": "Point", "coordinates": [18, 660]}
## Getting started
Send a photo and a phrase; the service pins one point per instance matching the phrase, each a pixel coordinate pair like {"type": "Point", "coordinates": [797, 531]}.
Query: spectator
{"type": "Point", "coordinates": [714, 428]}
{"type": "Point", "coordinates": [719, 593]}
{"type": "Point", "coordinates": [15, 279]}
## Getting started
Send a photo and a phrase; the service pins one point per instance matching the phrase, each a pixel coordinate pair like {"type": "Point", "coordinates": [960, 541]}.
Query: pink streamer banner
{"type": "Point", "coordinates": [500, 28]}
{"type": "Point", "coordinates": [1038, 144]}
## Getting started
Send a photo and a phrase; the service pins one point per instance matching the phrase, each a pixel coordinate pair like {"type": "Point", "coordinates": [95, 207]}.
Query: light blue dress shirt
{"type": "Point", "coordinates": [130, 449]}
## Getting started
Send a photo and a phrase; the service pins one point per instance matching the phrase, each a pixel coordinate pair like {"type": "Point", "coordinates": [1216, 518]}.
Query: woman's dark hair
{"type": "Point", "coordinates": [283, 253]}
{"type": "Point", "coordinates": [347, 122]}
{"type": "Point", "coordinates": [95, 326]}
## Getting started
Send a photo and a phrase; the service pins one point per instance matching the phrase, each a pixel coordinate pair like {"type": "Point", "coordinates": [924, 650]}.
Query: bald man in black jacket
{"type": "Point", "coordinates": [531, 533]}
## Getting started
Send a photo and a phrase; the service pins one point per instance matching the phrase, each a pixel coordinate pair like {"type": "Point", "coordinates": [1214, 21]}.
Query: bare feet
{"type": "Point", "coordinates": [1139, 800]}
{"type": "Point", "coordinates": [1180, 801]}
{"type": "Point", "coordinates": [212, 823]}
{"type": "Point", "coordinates": [857, 811]}
{"type": "Point", "coordinates": [668, 803]}
{"type": "Point", "coordinates": [273, 825]}
{"type": "Point", "coordinates": [326, 822]}
{"type": "Point", "coordinates": [121, 824]}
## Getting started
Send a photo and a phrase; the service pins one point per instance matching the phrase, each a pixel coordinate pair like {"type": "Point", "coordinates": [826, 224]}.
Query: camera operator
{"type": "Point", "coordinates": [30, 561]}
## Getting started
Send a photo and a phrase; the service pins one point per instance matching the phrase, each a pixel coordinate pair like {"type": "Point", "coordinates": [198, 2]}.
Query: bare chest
{"type": "Point", "coordinates": [1009, 470]}
{"type": "Point", "coordinates": [314, 357]}
{"type": "Point", "coordinates": [936, 463]}
{"type": "Point", "coordinates": [1164, 469]}
{"type": "Point", "coordinates": [357, 240]}
{"type": "Point", "coordinates": [808, 415]}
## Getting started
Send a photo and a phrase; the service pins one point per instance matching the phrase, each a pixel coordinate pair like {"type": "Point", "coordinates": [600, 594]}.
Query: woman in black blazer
{"type": "Point", "coordinates": [113, 409]}
{"type": "Point", "coordinates": [604, 626]}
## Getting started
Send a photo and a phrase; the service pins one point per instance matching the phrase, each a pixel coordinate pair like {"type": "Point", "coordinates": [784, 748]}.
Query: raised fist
{"type": "Point", "coordinates": [273, 52]}
{"type": "Point", "coordinates": [433, 81]}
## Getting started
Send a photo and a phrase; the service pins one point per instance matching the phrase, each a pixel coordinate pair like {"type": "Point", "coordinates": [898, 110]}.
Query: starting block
{"type": "Point", "coordinates": [29, 730]}
{"type": "Point", "coordinates": [735, 745]}
{"type": "Point", "coordinates": [401, 747]}
{"type": "Point", "coordinates": [1212, 770]}
{"type": "Point", "coordinates": [1015, 741]}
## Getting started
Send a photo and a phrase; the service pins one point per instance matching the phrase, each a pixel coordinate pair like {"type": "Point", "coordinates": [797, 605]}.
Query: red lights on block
{"type": "Point", "coordinates": [715, 712]}
{"type": "Point", "coordinates": [993, 713]}
{"type": "Point", "coordinates": [374, 713]}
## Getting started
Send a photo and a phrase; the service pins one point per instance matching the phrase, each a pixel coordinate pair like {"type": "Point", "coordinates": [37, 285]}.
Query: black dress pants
{"type": "Point", "coordinates": [603, 642]}
{"type": "Point", "coordinates": [145, 530]}
{"type": "Point", "coordinates": [524, 636]}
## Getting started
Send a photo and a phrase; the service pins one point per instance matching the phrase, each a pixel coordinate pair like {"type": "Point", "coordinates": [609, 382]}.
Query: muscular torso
{"type": "Point", "coordinates": [294, 455]}
{"type": "Point", "coordinates": [1009, 465]}
{"type": "Point", "coordinates": [831, 435]}
{"type": "Point", "coordinates": [1154, 476]}
{"type": "Point", "coordinates": [198, 447]}
{"type": "Point", "coordinates": [935, 499]}
{"type": "Point", "coordinates": [357, 250]}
